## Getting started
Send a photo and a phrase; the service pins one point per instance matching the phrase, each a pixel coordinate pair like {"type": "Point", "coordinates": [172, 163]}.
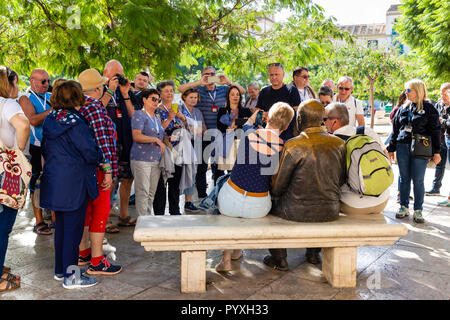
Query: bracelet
{"type": "Point", "coordinates": [108, 172]}
{"type": "Point", "coordinates": [106, 168]}
{"type": "Point", "coordinates": [108, 90]}
{"type": "Point", "coordinates": [126, 98]}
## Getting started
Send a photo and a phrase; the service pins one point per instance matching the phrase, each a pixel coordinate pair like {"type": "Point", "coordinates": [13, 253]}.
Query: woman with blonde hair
{"type": "Point", "coordinates": [417, 117]}
{"type": "Point", "coordinates": [14, 128]}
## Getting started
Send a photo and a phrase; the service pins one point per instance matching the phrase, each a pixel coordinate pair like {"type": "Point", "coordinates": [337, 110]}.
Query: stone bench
{"type": "Point", "coordinates": [194, 234]}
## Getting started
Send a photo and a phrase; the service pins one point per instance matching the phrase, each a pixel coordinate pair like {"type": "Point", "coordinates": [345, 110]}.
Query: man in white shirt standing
{"type": "Point", "coordinates": [354, 106]}
{"type": "Point", "coordinates": [336, 119]}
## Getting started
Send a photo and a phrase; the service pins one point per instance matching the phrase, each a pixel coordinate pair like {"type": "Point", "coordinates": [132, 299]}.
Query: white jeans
{"type": "Point", "coordinates": [146, 177]}
{"type": "Point", "coordinates": [234, 204]}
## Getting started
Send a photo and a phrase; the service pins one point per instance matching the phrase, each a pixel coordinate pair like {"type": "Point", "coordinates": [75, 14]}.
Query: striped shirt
{"type": "Point", "coordinates": [217, 97]}
{"type": "Point", "coordinates": [104, 130]}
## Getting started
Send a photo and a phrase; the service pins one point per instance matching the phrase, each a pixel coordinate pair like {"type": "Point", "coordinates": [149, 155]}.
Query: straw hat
{"type": "Point", "coordinates": [91, 79]}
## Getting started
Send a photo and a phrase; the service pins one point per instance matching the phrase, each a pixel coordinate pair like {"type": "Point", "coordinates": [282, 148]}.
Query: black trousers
{"type": "Point", "coordinates": [159, 203]}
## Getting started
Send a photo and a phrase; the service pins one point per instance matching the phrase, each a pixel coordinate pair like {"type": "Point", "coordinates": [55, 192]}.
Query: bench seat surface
{"type": "Point", "coordinates": [206, 232]}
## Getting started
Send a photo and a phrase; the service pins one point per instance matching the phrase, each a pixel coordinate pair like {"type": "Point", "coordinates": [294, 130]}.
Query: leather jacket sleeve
{"type": "Point", "coordinates": [280, 181]}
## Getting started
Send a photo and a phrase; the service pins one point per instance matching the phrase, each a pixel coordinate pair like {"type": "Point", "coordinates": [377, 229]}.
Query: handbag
{"type": "Point", "coordinates": [15, 174]}
{"type": "Point", "coordinates": [421, 146]}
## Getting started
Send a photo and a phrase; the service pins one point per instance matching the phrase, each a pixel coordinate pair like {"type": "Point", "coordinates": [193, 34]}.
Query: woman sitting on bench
{"type": "Point", "coordinates": [246, 193]}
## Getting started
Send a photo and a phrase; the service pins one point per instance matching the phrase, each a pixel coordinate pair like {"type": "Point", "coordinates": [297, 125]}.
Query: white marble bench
{"type": "Point", "coordinates": [194, 234]}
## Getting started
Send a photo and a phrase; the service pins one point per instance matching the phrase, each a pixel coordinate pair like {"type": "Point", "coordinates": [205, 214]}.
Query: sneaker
{"type": "Point", "coordinates": [83, 282]}
{"type": "Point", "coordinates": [189, 207]}
{"type": "Point", "coordinates": [445, 203]}
{"type": "Point", "coordinates": [418, 216]}
{"type": "Point", "coordinates": [432, 193]}
{"type": "Point", "coordinates": [84, 261]}
{"type": "Point", "coordinates": [105, 267]}
{"type": "Point", "coordinates": [58, 277]}
{"type": "Point", "coordinates": [402, 212]}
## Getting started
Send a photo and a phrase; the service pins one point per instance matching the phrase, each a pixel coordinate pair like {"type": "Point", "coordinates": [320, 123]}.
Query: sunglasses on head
{"type": "Point", "coordinates": [344, 88]}
{"type": "Point", "coordinates": [275, 64]}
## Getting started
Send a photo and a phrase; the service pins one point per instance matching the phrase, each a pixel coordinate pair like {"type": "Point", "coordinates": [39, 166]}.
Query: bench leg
{"type": "Point", "coordinates": [339, 266]}
{"type": "Point", "coordinates": [193, 271]}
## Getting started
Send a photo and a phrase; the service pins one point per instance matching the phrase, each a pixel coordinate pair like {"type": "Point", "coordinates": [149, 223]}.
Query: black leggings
{"type": "Point", "coordinates": [159, 203]}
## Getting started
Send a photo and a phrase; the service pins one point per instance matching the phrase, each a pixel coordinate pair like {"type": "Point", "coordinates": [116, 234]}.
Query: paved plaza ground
{"type": "Point", "coordinates": [415, 267]}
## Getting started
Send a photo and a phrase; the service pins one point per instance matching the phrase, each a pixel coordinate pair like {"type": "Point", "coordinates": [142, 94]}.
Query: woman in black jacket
{"type": "Point", "coordinates": [232, 117]}
{"type": "Point", "coordinates": [417, 116]}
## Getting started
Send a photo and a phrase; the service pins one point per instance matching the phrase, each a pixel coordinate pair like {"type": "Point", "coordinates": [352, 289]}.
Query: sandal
{"type": "Point", "coordinates": [11, 285]}
{"type": "Point", "coordinates": [44, 230]}
{"type": "Point", "coordinates": [112, 229]}
{"type": "Point", "coordinates": [126, 222]}
{"type": "Point", "coordinates": [10, 277]}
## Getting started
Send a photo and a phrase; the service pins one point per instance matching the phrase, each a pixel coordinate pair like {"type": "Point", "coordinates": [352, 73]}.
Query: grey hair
{"type": "Point", "coordinates": [338, 111]}
{"type": "Point", "coordinates": [344, 79]}
{"type": "Point", "coordinates": [253, 84]}
{"type": "Point", "coordinates": [208, 67]}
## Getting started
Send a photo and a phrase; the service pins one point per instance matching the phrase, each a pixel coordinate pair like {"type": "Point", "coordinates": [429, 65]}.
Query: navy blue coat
{"type": "Point", "coordinates": [71, 157]}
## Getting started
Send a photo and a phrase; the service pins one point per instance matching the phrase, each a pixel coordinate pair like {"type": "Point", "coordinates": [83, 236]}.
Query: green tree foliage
{"type": "Point", "coordinates": [425, 26]}
{"type": "Point", "coordinates": [166, 36]}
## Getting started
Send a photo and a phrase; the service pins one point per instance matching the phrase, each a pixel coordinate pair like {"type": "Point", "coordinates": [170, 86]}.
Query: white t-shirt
{"type": "Point", "coordinates": [304, 94]}
{"type": "Point", "coordinates": [9, 108]}
{"type": "Point", "coordinates": [354, 107]}
{"type": "Point", "coordinates": [349, 197]}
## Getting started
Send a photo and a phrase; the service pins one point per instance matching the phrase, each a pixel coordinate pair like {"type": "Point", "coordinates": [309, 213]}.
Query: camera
{"type": "Point", "coordinates": [122, 80]}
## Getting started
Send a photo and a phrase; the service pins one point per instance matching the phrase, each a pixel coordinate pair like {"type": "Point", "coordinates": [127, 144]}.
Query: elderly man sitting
{"type": "Point", "coordinates": [337, 122]}
{"type": "Point", "coordinates": [312, 171]}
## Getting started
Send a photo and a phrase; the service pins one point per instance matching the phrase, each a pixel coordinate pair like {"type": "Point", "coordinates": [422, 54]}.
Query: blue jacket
{"type": "Point", "coordinates": [71, 157]}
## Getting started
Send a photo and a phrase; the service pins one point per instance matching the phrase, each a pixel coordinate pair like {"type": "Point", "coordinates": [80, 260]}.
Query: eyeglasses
{"type": "Point", "coordinates": [344, 88]}
{"type": "Point", "coordinates": [45, 80]}
{"type": "Point", "coordinates": [156, 99]}
{"type": "Point", "coordinates": [408, 90]}
{"type": "Point", "coordinates": [209, 74]}
{"type": "Point", "coordinates": [304, 77]}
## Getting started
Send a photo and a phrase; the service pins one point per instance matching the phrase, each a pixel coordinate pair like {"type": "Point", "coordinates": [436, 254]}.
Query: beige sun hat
{"type": "Point", "coordinates": [91, 79]}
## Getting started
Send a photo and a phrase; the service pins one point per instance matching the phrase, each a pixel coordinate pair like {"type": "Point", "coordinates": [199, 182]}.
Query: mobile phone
{"type": "Point", "coordinates": [215, 79]}
{"type": "Point", "coordinates": [258, 120]}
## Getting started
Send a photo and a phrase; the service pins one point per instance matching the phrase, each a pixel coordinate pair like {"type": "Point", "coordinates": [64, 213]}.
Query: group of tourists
{"type": "Point", "coordinates": [100, 133]}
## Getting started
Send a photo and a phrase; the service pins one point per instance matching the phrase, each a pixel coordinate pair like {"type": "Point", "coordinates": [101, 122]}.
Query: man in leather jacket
{"type": "Point", "coordinates": [307, 185]}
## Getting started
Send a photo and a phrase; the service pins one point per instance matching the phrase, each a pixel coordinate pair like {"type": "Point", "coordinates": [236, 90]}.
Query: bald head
{"type": "Point", "coordinates": [112, 67]}
{"type": "Point", "coordinates": [39, 81]}
{"type": "Point", "coordinates": [310, 114]}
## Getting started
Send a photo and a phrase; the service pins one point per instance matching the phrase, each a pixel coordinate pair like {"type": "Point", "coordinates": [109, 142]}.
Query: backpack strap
{"type": "Point", "coordinates": [343, 137]}
{"type": "Point", "coordinates": [360, 130]}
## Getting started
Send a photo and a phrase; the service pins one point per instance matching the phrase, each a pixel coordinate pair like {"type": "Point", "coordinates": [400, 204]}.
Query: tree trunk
{"type": "Point", "coordinates": [371, 101]}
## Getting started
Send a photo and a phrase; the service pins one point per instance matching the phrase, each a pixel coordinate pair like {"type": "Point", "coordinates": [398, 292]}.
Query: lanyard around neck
{"type": "Point", "coordinates": [154, 121]}
{"type": "Point", "coordinates": [40, 100]}
{"type": "Point", "coordinates": [212, 98]}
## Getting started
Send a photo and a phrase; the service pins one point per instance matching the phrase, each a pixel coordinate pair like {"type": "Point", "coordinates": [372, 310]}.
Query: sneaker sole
{"type": "Point", "coordinates": [79, 286]}
{"type": "Point", "coordinates": [192, 211]}
{"type": "Point", "coordinates": [58, 279]}
{"type": "Point", "coordinates": [401, 217]}
{"type": "Point", "coordinates": [432, 194]}
{"type": "Point", "coordinates": [83, 263]}
{"type": "Point", "coordinates": [103, 272]}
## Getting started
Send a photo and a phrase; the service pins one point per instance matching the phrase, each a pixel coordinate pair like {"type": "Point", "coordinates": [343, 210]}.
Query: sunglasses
{"type": "Point", "coordinates": [210, 74]}
{"type": "Point", "coordinates": [408, 90]}
{"type": "Point", "coordinates": [343, 88]}
{"type": "Point", "coordinates": [156, 99]}
{"type": "Point", "coordinates": [276, 64]}
{"type": "Point", "coordinates": [44, 81]}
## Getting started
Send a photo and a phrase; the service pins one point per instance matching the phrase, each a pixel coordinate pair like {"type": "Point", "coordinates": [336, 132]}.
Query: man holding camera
{"type": "Point", "coordinates": [117, 100]}
{"type": "Point", "coordinates": [212, 98]}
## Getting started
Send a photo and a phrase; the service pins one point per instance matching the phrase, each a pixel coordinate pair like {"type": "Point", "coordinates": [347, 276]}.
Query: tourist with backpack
{"type": "Point", "coordinates": [416, 138]}
{"type": "Point", "coordinates": [366, 155]}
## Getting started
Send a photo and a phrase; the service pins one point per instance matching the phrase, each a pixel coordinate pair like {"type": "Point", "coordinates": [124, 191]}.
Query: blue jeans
{"type": "Point", "coordinates": [7, 219]}
{"type": "Point", "coordinates": [411, 168]}
{"type": "Point", "coordinates": [440, 167]}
